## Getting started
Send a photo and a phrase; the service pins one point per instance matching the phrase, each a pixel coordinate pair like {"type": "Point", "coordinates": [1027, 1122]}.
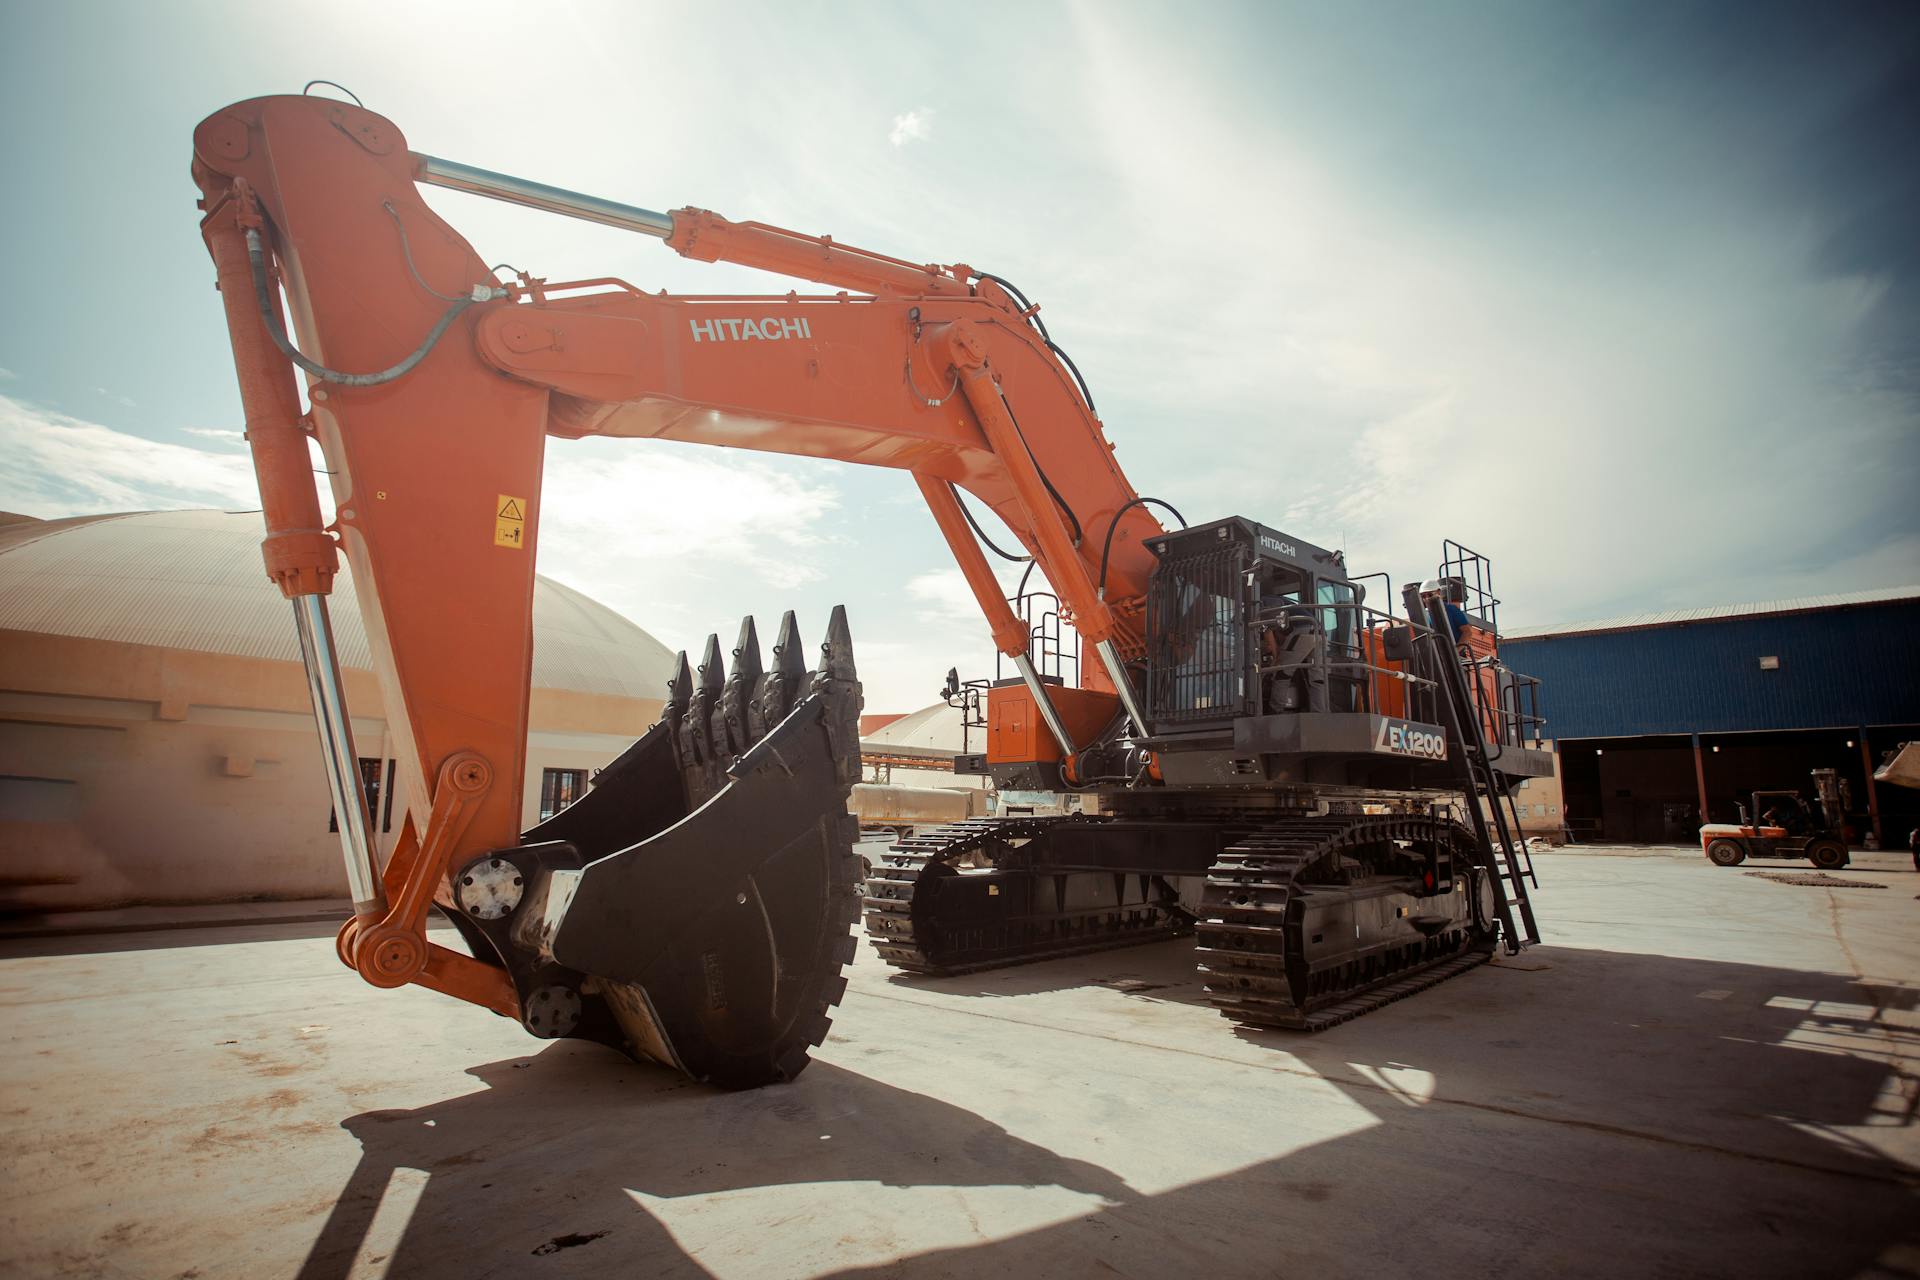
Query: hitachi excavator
{"type": "Point", "coordinates": [1316, 786]}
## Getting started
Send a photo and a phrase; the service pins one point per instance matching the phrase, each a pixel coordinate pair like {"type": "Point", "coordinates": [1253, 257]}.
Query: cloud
{"type": "Point", "coordinates": [54, 465]}
{"type": "Point", "coordinates": [1595, 421]}
{"type": "Point", "coordinates": [913, 126]}
{"type": "Point", "coordinates": [944, 596]}
{"type": "Point", "coordinates": [652, 529]}
{"type": "Point", "coordinates": [7, 375]}
{"type": "Point", "coordinates": [225, 435]}
{"type": "Point", "coordinates": [116, 397]}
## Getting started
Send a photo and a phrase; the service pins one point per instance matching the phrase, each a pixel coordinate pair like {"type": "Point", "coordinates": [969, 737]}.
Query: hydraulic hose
{"type": "Point", "coordinates": [1041, 326]}
{"type": "Point", "coordinates": [980, 533]}
{"type": "Point", "coordinates": [263, 293]}
{"type": "Point", "coordinates": [1106, 549]}
{"type": "Point", "coordinates": [1079, 534]}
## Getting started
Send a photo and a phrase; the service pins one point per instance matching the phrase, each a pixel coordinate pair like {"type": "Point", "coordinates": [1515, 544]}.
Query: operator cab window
{"type": "Point", "coordinates": [1340, 622]}
{"type": "Point", "coordinates": [1207, 673]}
{"type": "Point", "coordinates": [1337, 614]}
{"type": "Point", "coordinates": [1280, 587]}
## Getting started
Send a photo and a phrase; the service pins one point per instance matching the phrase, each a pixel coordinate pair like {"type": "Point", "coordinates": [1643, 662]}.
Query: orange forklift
{"type": "Point", "coordinates": [1780, 825]}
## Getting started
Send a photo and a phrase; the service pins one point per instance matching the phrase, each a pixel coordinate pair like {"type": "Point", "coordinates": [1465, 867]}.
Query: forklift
{"type": "Point", "coordinates": [1780, 825]}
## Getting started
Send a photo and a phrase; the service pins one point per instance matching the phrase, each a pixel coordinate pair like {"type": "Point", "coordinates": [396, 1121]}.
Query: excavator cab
{"type": "Point", "coordinates": [1247, 621]}
{"type": "Point", "coordinates": [1264, 651]}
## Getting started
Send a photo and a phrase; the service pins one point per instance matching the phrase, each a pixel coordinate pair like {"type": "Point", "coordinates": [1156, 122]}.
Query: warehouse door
{"type": "Point", "coordinates": [1630, 790]}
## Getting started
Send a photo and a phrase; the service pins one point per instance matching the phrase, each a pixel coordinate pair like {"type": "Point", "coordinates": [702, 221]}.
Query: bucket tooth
{"type": "Point", "coordinates": [743, 679]}
{"type": "Point", "coordinates": [838, 682]}
{"type": "Point", "coordinates": [783, 683]}
{"type": "Point", "coordinates": [700, 754]}
{"type": "Point", "coordinates": [673, 715]}
{"type": "Point", "coordinates": [679, 690]}
{"type": "Point", "coordinates": [836, 654]}
{"type": "Point", "coordinates": [713, 673]}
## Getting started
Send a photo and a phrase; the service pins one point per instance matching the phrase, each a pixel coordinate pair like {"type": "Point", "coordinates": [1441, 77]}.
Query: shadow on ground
{"type": "Point", "coordinates": [1547, 1138]}
{"type": "Point", "coordinates": [95, 942]}
{"type": "Point", "coordinates": [1163, 971]}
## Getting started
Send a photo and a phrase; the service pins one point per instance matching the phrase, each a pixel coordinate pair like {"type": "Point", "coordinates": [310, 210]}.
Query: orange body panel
{"type": "Point", "coordinates": [1738, 831]}
{"type": "Point", "coordinates": [1016, 733]}
{"type": "Point", "coordinates": [1389, 694]}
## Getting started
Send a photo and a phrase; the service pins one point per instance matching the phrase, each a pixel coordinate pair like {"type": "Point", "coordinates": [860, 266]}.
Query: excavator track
{"type": "Point", "coordinates": [905, 885]}
{"type": "Point", "coordinates": [1259, 918]}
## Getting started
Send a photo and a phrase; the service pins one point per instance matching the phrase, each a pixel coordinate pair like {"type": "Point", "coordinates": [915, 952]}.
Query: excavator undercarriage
{"type": "Point", "coordinates": [1302, 921]}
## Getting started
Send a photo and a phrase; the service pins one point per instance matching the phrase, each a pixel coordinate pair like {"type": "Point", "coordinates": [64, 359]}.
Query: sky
{"type": "Point", "coordinates": [1624, 295]}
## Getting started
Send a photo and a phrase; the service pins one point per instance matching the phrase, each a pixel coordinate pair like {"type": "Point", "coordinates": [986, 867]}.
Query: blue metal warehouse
{"type": "Point", "coordinates": [1663, 717]}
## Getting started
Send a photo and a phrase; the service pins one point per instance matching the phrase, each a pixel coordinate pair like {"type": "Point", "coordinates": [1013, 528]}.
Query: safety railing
{"type": "Point", "coordinates": [1476, 572]}
{"type": "Point", "coordinates": [1053, 647]}
{"type": "Point", "coordinates": [1511, 717]}
{"type": "Point", "coordinates": [970, 700]}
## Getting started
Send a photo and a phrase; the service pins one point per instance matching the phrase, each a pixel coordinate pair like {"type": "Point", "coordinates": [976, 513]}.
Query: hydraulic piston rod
{"type": "Point", "coordinates": [337, 753]}
{"type": "Point", "coordinates": [454, 176]}
{"type": "Point", "coordinates": [1123, 685]}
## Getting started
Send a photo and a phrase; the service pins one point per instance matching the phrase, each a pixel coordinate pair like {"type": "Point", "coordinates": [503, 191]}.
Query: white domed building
{"type": "Point", "coordinates": [156, 739]}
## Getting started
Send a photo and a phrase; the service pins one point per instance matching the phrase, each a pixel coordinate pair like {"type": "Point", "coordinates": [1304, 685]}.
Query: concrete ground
{"type": "Point", "coordinates": [1701, 1072]}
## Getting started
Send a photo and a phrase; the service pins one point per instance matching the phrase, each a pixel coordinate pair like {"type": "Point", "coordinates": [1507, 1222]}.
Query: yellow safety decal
{"type": "Point", "coordinates": [510, 522]}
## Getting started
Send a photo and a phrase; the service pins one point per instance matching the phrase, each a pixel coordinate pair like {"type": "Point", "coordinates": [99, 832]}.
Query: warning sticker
{"type": "Point", "coordinates": [510, 522]}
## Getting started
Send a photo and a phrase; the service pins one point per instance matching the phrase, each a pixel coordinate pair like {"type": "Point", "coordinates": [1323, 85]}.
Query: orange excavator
{"type": "Point", "coordinates": [1317, 786]}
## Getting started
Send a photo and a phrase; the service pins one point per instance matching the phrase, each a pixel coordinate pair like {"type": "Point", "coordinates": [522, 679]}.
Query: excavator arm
{"type": "Point", "coordinates": [432, 387]}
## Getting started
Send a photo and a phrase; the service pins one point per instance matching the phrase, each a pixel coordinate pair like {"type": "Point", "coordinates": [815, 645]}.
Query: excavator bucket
{"type": "Point", "coordinates": [694, 906]}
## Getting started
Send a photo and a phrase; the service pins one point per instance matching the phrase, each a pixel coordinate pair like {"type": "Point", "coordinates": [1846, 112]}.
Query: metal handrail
{"type": "Point", "coordinates": [1512, 722]}
{"type": "Point", "coordinates": [1048, 648]}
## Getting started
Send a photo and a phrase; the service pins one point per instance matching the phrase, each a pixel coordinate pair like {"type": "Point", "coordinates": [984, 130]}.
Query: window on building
{"type": "Point", "coordinates": [386, 815]}
{"type": "Point", "coordinates": [372, 778]}
{"type": "Point", "coordinates": [560, 788]}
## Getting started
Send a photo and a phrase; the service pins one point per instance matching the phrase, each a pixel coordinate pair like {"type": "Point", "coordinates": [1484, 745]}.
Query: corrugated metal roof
{"type": "Point", "coordinates": [1711, 613]}
{"type": "Point", "coordinates": [194, 580]}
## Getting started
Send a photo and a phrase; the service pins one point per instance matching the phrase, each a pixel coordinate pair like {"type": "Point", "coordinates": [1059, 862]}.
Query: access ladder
{"type": "Point", "coordinates": [1500, 850]}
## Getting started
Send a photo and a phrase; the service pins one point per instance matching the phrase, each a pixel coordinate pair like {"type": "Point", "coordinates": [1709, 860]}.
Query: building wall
{"type": "Point", "coordinates": [1540, 803]}
{"type": "Point", "coordinates": [130, 773]}
{"type": "Point", "coordinates": [1837, 668]}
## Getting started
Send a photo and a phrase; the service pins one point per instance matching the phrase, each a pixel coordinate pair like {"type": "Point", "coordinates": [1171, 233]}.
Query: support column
{"type": "Point", "coordinates": [1700, 776]}
{"type": "Point", "coordinates": [1873, 796]}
